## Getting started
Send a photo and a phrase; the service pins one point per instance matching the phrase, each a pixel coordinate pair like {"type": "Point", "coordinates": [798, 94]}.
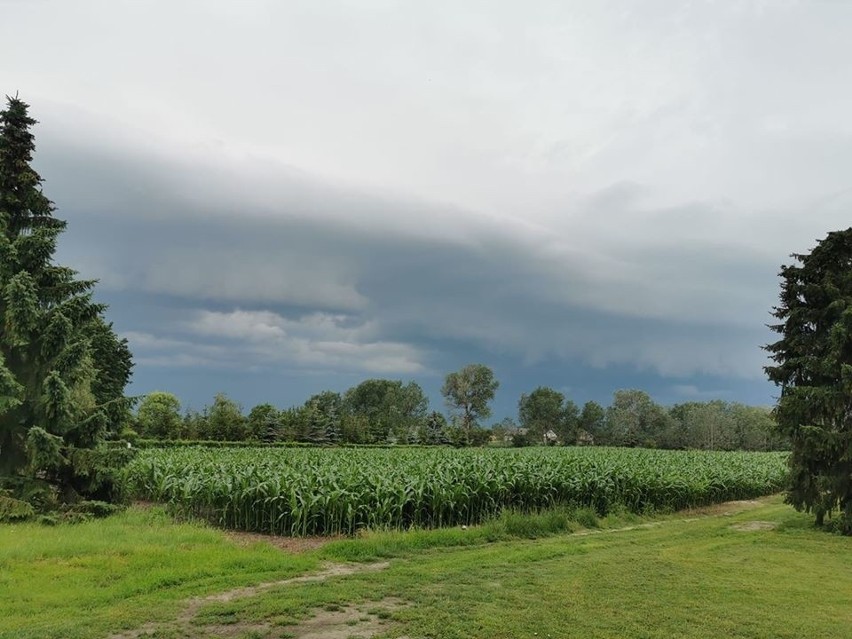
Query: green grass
{"type": "Point", "coordinates": [84, 580]}
{"type": "Point", "coordinates": [681, 576]}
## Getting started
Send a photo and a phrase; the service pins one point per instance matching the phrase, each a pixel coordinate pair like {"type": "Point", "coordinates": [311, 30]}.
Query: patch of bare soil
{"type": "Point", "coordinates": [293, 545]}
{"type": "Point", "coordinates": [184, 621]}
{"type": "Point", "coordinates": [331, 570]}
{"type": "Point", "coordinates": [348, 622]}
{"type": "Point", "coordinates": [728, 507]}
{"type": "Point", "coordinates": [751, 526]}
{"type": "Point", "coordinates": [725, 509]}
{"type": "Point", "coordinates": [141, 504]}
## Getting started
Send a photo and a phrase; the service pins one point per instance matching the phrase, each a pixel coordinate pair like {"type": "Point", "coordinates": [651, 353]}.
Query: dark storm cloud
{"type": "Point", "coordinates": [296, 195]}
{"type": "Point", "coordinates": [291, 271]}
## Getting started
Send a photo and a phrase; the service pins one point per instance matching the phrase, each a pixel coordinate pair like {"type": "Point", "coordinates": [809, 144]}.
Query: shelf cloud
{"type": "Point", "coordinates": [283, 198]}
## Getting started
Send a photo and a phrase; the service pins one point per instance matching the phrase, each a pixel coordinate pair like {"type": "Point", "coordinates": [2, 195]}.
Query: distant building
{"type": "Point", "coordinates": [511, 432]}
{"type": "Point", "coordinates": [585, 438]}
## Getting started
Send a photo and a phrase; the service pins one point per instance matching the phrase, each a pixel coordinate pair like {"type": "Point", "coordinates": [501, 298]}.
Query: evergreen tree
{"type": "Point", "coordinates": [264, 423]}
{"type": "Point", "coordinates": [435, 429]}
{"type": "Point", "coordinates": [62, 368]}
{"type": "Point", "coordinates": [322, 416]}
{"type": "Point", "coordinates": [813, 367]}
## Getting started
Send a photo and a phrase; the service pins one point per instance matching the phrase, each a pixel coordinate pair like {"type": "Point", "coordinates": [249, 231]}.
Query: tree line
{"type": "Point", "coordinates": [376, 411]}
{"type": "Point", "coordinates": [633, 419]}
{"type": "Point", "coordinates": [384, 411]}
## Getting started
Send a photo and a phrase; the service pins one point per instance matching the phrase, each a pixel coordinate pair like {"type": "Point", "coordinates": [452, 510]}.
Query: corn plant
{"type": "Point", "coordinates": [340, 491]}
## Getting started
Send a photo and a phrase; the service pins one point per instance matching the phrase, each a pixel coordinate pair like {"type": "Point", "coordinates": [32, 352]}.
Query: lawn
{"type": "Point", "coordinates": [750, 570]}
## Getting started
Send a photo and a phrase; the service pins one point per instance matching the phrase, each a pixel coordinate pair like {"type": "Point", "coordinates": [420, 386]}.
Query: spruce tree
{"type": "Point", "coordinates": [813, 367]}
{"type": "Point", "coordinates": [62, 368]}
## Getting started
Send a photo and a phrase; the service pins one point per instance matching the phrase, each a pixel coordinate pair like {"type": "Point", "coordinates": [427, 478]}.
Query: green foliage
{"type": "Point", "coordinates": [547, 409]}
{"type": "Point", "coordinates": [813, 367]}
{"type": "Point", "coordinates": [718, 425]}
{"type": "Point", "coordinates": [479, 436]}
{"type": "Point", "coordinates": [333, 490]}
{"type": "Point", "coordinates": [468, 393]}
{"type": "Point", "coordinates": [633, 419]}
{"type": "Point", "coordinates": [393, 411]}
{"type": "Point", "coordinates": [12, 509]}
{"type": "Point", "coordinates": [93, 509]}
{"type": "Point", "coordinates": [457, 436]}
{"type": "Point", "coordinates": [434, 429]}
{"type": "Point", "coordinates": [264, 424]}
{"type": "Point", "coordinates": [224, 420]}
{"type": "Point", "coordinates": [159, 416]}
{"type": "Point", "coordinates": [194, 425]}
{"type": "Point", "coordinates": [521, 439]}
{"type": "Point", "coordinates": [62, 368]}
{"type": "Point", "coordinates": [38, 493]}
{"type": "Point", "coordinates": [45, 452]}
{"type": "Point", "coordinates": [592, 421]}
{"type": "Point", "coordinates": [97, 471]}
{"type": "Point", "coordinates": [320, 418]}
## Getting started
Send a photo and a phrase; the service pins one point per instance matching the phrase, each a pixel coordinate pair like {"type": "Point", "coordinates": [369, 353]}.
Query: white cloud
{"type": "Point", "coordinates": [316, 340]}
{"type": "Point", "coordinates": [252, 326]}
{"type": "Point", "coordinates": [154, 350]}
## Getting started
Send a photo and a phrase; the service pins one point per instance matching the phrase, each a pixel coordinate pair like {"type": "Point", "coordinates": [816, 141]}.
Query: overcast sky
{"type": "Point", "coordinates": [284, 197]}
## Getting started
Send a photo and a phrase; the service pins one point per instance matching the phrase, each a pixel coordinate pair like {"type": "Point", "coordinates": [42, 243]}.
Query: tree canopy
{"type": "Point", "coordinates": [159, 416]}
{"type": "Point", "coordinates": [392, 409]}
{"type": "Point", "coordinates": [813, 367]}
{"type": "Point", "coordinates": [544, 409]}
{"type": "Point", "coordinates": [62, 368]}
{"type": "Point", "coordinates": [634, 419]}
{"type": "Point", "coordinates": [468, 393]}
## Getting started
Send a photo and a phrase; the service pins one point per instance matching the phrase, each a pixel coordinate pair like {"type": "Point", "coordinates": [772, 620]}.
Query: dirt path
{"type": "Point", "coordinates": [183, 626]}
{"type": "Point", "coordinates": [351, 621]}
{"type": "Point", "coordinates": [725, 509]}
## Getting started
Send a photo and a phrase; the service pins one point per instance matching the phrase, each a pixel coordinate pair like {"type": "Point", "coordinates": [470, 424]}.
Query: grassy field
{"type": "Point", "coordinates": [742, 570]}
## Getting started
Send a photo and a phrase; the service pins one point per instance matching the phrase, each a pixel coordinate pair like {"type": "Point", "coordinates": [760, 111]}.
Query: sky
{"type": "Point", "coordinates": [282, 198]}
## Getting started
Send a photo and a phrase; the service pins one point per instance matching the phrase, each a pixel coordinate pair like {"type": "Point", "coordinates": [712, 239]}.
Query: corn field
{"type": "Point", "coordinates": [333, 491]}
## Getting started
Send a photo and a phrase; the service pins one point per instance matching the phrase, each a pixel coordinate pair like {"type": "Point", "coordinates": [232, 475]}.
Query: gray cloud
{"type": "Point", "coordinates": [671, 305]}
{"type": "Point", "coordinates": [601, 185]}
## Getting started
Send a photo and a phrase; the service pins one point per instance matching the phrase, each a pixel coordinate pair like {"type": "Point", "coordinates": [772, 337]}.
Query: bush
{"type": "Point", "coordinates": [519, 440]}
{"type": "Point", "coordinates": [92, 508]}
{"type": "Point", "coordinates": [12, 509]}
{"type": "Point", "coordinates": [96, 472]}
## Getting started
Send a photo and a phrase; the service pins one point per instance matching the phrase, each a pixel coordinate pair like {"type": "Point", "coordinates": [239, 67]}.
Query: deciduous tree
{"type": "Point", "coordinates": [159, 416]}
{"type": "Point", "coordinates": [592, 419]}
{"type": "Point", "coordinates": [392, 410]}
{"type": "Point", "coordinates": [544, 409]}
{"type": "Point", "coordinates": [634, 419]}
{"type": "Point", "coordinates": [225, 420]}
{"type": "Point", "coordinates": [468, 393]}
